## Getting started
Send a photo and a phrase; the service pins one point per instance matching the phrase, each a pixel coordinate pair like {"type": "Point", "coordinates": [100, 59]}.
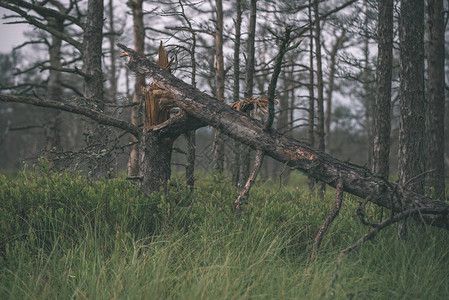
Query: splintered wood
{"type": "Point", "coordinates": [157, 100]}
{"type": "Point", "coordinates": [259, 104]}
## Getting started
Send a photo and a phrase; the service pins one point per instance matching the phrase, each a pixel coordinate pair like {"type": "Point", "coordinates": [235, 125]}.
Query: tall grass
{"type": "Point", "coordinates": [63, 236]}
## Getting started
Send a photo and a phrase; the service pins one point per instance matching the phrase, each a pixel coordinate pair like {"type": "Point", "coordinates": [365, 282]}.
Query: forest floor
{"type": "Point", "coordinates": [64, 236]}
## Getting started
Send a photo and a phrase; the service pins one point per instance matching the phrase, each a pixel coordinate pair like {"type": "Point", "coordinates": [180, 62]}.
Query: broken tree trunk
{"type": "Point", "coordinates": [156, 149]}
{"type": "Point", "coordinates": [202, 108]}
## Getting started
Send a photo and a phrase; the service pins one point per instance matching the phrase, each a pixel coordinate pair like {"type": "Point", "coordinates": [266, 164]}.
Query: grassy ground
{"type": "Point", "coordinates": [63, 236]}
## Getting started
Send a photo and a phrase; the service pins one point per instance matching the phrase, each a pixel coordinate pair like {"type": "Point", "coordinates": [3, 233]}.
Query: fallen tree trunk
{"type": "Point", "coordinates": [202, 108]}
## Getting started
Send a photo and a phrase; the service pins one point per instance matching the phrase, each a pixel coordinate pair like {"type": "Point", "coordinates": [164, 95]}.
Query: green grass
{"type": "Point", "coordinates": [63, 236]}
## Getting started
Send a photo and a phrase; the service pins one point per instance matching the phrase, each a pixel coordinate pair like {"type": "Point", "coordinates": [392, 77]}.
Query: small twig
{"type": "Point", "coordinates": [330, 218]}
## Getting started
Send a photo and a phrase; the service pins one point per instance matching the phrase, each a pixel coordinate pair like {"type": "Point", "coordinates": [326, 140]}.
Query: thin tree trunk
{"type": "Point", "coordinates": [96, 139]}
{"type": "Point", "coordinates": [311, 114]}
{"type": "Point", "coordinates": [236, 89]}
{"type": "Point", "coordinates": [190, 136]}
{"type": "Point", "coordinates": [382, 110]}
{"type": "Point", "coordinates": [412, 105]}
{"type": "Point", "coordinates": [93, 40]}
{"type": "Point", "coordinates": [368, 106]}
{"type": "Point", "coordinates": [435, 111]}
{"type": "Point", "coordinates": [136, 111]}
{"type": "Point", "coordinates": [320, 87]}
{"type": "Point", "coordinates": [54, 92]}
{"type": "Point", "coordinates": [113, 53]}
{"type": "Point", "coordinates": [330, 87]}
{"type": "Point", "coordinates": [219, 81]}
{"type": "Point", "coordinates": [249, 84]}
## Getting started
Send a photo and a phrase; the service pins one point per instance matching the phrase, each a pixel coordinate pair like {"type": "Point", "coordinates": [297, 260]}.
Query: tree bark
{"type": "Point", "coordinates": [155, 159]}
{"type": "Point", "coordinates": [382, 110]}
{"type": "Point", "coordinates": [412, 104]}
{"type": "Point", "coordinates": [203, 109]}
{"type": "Point", "coordinates": [435, 110]}
{"type": "Point", "coordinates": [136, 111]}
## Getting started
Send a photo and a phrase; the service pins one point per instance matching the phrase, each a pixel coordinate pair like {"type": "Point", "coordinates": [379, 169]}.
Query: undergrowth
{"type": "Point", "coordinates": [64, 236]}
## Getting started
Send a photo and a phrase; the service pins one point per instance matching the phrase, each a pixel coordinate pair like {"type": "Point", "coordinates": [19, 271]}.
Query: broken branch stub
{"type": "Point", "coordinates": [157, 99]}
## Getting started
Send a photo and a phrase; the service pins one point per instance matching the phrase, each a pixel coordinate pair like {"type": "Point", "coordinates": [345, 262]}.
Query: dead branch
{"type": "Point", "coordinates": [66, 70]}
{"type": "Point", "coordinates": [48, 12]}
{"type": "Point", "coordinates": [33, 21]}
{"type": "Point", "coordinates": [249, 183]}
{"type": "Point", "coordinates": [92, 114]}
{"type": "Point", "coordinates": [330, 218]}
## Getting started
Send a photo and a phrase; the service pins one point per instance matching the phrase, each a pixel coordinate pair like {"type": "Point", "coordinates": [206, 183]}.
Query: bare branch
{"type": "Point", "coordinates": [48, 12]}
{"type": "Point", "coordinates": [66, 70]}
{"type": "Point", "coordinates": [94, 115]}
{"type": "Point", "coordinates": [330, 218]}
{"type": "Point", "coordinates": [33, 21]}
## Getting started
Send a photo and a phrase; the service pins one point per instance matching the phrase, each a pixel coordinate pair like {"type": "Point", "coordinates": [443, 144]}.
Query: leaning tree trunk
{"type": "Point", "coordinates": [330, 86]}
{"type": "Point", "coordinates": [203, 109]}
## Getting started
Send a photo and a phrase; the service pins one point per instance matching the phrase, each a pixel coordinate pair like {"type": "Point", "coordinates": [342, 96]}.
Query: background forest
{"type": "Point", "coordinates": [121, 181]}
{"type": "Point", "coordinates": [326, 95]}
